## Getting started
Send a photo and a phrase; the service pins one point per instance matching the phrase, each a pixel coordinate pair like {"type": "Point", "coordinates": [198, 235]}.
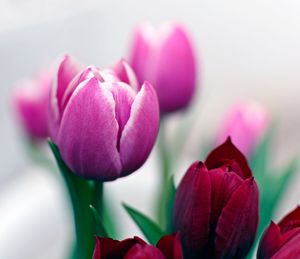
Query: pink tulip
{"type": "Point", "coordinates": [246, 124]}
{"type": "Point", "coordinates": [103, 127]}
{"type": "Point", "coordinates": [30, 101]}
{"type": "Point", "coordinates": [167, 60]}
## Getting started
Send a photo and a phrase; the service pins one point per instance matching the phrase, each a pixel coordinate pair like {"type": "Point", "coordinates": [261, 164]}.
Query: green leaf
{"type": "Point", "coordinates": [284, 179]}
{"type": "Point", "coordinates": [259, 161]}
{"type": "Point", "coordinates": [171, 191]}
{"type": "Point", "coordinates": [149, 228]}
{"type": "Point", "coordinates": [100, 229]}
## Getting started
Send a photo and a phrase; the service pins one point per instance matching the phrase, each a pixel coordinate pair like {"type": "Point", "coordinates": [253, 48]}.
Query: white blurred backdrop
{"type": "Point", "coordinates": [248, 51]}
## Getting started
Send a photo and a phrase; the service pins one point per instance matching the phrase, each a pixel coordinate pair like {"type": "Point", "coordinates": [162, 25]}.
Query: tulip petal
{"type": "Point", "coordinates": [87, 73]}
{"type": "Point", "coordinates": [228, 153]}
{"type": "Point", "coordinates": [238, 217]}
{"type": "Point", "coordinates": [124, 96]}
{"type": "Point", "coordinates": [175, 69]}
{"type": "Point", "coordinates": [170, 246]}
{"type": "Point", "coordinates": [141, 129]}
{"type": "Point", "coordinates": [103, 247]}
{"type": "Point", "coordinates": [31, 101]}
{"type": "Point", "coordinates": [144, 252]}
{"type": "Point", "coordinates": [141, 52]}
{"type": "Point", "coordinates": [290, 221]}
{"type": "Point", "coordinates": [88, 133]}
{"type": "Point", "coordinates": [125, 73]}
{"type": "Point", "coordinates": [269, 242]}
{"type": "Point", "coordinates": [192, 209]}
{"type": "Point", "coordinates": [290, 250]}
{"type": "Point", "coordinates": [223, 184]}
{"type": "Point", "coordinates": [245, 123]}
{"type": "Point", "coordinates": [122, 248]}
{"type": "Point", "coordinates": [67, 70]}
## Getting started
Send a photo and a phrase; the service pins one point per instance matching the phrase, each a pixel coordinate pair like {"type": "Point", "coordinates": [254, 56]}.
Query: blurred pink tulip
{"type": "Point", "coordinates": [246, 124]}
{"type": "Point", "coordinates": [103, 127]}
{"type": "Point", "coordinates": [167, 60]}
{"type": "Point", "coordinates": [30, 101]}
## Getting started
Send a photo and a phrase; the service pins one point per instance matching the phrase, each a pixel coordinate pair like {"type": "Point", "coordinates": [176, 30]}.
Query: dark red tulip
{"type": "Point", "coordinates": [281, 240]}
{"type": "Point", "coordinates": [168, 247]}
{"type": "Point", "coordinates": [216, 206]}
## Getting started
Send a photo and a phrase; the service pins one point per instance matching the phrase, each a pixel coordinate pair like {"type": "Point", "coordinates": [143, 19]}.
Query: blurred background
{"type": "Point", "coordinates": [248, 51]}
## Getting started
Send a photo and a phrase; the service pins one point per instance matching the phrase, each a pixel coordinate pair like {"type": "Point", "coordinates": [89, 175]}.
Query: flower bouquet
{"type": "Point", "coordinates": [102, 124]}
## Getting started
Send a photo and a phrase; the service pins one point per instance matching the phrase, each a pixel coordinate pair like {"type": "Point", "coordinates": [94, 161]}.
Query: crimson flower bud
{"type": "Point", "coordinates": [168, 247]}
{"type": "Point", "coordinates": [281, 240]}
{"type": "Point", "coordinates": [216, 206]}
{"type": "Point", "coordinates": [104, 127]}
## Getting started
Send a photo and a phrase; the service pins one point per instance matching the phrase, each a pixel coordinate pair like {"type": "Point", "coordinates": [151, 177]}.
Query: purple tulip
{"type": "Point", "coordinates": [103, 127]}
{"type": "Point", "coordinates": [216, 206]}
{"type": "Point", "coordinates": [246, 124]}
{"type": "Point", "coordinates": [167, 60]}
{"type": "Point", "coordinates": [30, 101]}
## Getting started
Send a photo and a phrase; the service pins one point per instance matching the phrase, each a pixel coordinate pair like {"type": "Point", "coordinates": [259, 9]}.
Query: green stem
{"type": "Point", "coordinates": [82, 193]}
{"type": "Point", "coordinates": [165, 175]}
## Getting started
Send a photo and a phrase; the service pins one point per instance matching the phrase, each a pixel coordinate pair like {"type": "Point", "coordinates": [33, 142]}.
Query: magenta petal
{"type": "Point", "coordinates": [175, 69]}
{"type": "Point", "coordinates": [67, 70]}
{"type": "Point", "coordinates": [291, 249]}
{"type": "Point", "coordinates": [144, 252]}
{"type": "Point", "coordinates": [85, 74]}
{"type": "Point", "coordinates": [140, 132]}
{"type": "Point", "coordinates": [125, 73]}
{"type": "Point", "coordinates": [192, 209]}
{"type": "Point", "coordinates": [88, 133]}
{"type": "Point", "coordinates": [31, 102]}
{"type": "Point", "coordinates": [269, 243]}
{"type": "Point", "coordinates": [141, 52]}
{"type": "Point", "coordinates": [237, 223]}
{"type": "Point", "coordinates": [124, 96]}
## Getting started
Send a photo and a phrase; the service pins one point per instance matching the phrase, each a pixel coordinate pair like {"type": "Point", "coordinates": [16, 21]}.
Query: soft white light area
{"type": "Point", "coordinates": [35, 221]}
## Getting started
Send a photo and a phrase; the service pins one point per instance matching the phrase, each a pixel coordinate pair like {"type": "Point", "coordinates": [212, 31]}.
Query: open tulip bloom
{"type": "Point", "coordinates": [103, 123]}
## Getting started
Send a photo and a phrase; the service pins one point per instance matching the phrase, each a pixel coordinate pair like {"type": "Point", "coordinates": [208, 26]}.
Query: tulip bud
{"type": "Point", "coordinates": [30, 101]}
{"type": "Point", "coordinates": [168, 247]}
{"type": "Point", "coordinates": [281, 240]}
{"type": "Point", "coordinates": [216, 206]}
{"type": "Point", "coordinates": [166, 59]}
{"type": "Point", "coordinates": [246, 124]}
{"type": "Point", "coordinates": [103, 127]}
